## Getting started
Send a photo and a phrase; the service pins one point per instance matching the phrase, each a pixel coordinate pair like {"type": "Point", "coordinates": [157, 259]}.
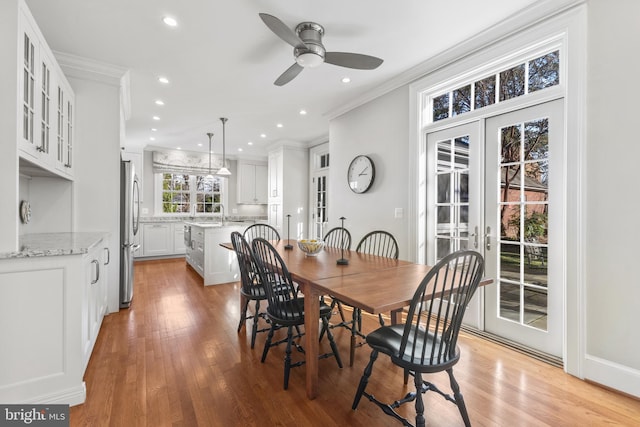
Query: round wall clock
{"type": "Point", "coordinates": [25, 212]}
{"type": "Point", "coordinates": [361, 174]}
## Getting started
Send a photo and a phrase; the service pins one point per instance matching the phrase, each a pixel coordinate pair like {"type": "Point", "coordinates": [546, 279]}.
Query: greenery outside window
{"type": "Point", "coordinates": [186, 194]}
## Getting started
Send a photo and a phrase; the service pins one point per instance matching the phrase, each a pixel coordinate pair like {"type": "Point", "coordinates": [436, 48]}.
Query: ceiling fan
{"type": "Point", "coordinates": [309, 50]}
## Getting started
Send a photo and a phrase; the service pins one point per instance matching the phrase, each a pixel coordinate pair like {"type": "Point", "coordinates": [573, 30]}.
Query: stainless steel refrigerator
{"type": "Point", "coordinates": [129, 224]}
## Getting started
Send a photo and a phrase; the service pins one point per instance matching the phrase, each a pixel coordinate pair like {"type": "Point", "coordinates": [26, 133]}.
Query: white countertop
{"type": "Point", "coordinates": [55, 244]}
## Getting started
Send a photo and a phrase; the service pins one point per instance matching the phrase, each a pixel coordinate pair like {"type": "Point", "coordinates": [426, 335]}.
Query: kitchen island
{"type": "Point", "coordinates": [204, 254]}
{"type": "Point", "coordinates": [53, 296]}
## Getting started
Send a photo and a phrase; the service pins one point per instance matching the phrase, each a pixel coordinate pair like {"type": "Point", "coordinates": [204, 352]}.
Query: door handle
{"type": "Point", "coordinates": [475, 237]}
{"type": "Point", "coordinates": [487, 238]}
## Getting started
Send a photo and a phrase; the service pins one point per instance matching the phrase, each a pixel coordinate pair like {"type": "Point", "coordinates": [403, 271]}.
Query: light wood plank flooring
{"type": "Point", "coordinates": [175, 359]}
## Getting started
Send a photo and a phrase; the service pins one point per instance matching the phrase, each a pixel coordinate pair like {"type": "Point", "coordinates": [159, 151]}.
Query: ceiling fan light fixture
{"type": "Point", "coordinates": [309, 59]}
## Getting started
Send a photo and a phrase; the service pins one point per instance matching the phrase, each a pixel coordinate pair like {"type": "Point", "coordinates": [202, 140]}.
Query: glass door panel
{"type": "Point", "coordinates": [525, 303]}
{"type": "Point", "coordinates": [454, 198]}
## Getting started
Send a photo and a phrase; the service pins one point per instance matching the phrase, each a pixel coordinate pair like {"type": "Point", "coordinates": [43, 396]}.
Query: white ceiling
{"type": "Point", "coordinates": [222, 60]}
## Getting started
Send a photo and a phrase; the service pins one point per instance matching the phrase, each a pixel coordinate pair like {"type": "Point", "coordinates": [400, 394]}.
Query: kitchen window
{"type": "Point", "coordinates": [183, 194]}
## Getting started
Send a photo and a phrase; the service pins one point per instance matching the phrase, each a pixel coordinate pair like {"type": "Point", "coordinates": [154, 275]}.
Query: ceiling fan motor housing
{"type": "Point", "coordinates": [311, 34]}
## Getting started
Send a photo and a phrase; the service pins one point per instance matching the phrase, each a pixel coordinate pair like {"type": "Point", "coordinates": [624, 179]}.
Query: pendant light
{"type": "Point", "coordinates": [210, 135]}
{"type": "Point", "coordinates": [223, 171]}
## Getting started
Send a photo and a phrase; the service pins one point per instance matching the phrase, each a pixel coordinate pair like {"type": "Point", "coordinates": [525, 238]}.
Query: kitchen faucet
{"type": "Point", "coordinates": [222, 211]}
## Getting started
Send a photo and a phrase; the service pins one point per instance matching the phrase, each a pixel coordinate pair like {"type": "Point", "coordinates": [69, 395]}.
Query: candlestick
{"type": "Point", "coordinates": [342, 260]}
{"type": "Point", "coordinates": [288, 246]}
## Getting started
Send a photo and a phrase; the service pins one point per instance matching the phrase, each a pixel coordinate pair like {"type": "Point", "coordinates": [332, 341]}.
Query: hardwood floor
{"type": "Point", "coordinates": [175, 359]}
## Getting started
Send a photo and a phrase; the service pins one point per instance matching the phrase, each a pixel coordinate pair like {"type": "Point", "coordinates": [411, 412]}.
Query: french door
{"type": "Point", "coordinates": [524, 221]}
{"type": "Point", "coordinates": [497, 187]}
{"type": "Point", "coordinates": [454, 200]}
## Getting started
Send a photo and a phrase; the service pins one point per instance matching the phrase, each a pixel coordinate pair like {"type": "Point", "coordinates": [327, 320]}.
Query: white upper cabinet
{"type": "Point", "coordinates": [252, 183]}
{"type": "Point", "coordinates": [45, 103]}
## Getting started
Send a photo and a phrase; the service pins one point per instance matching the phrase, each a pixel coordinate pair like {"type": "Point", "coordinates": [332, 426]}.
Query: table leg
{"type": "Point", "coordinates": [396, 317]}
{"type": "Point", "coordinates": [311, 321]}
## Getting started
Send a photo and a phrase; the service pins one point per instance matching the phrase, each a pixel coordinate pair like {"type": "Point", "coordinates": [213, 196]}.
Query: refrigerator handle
{"type": "Point", "coordinates": [108, 261]}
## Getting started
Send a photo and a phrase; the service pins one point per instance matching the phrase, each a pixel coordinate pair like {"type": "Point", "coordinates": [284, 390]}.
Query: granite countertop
{"type": "Point", "coordinates": [201, 219]}
{"type": "Point", "coordinates": [55, 244]}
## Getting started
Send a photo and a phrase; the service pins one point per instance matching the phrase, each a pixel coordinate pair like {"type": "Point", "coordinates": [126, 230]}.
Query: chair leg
{"type": "Point", "coordinates": [256, 318]}
{"type": "Point", "coordinates": [287, 357]}
{"type": "Point", "coordinates": [334, 347]}
{"type": "Point", "coordinates": [458, 398]}
{"type": "Point", "coordinates": [267, 343]}
{"type": "Point", "coordinates": [417, 380]}
{"type": "Point", "coordinates": [243, 313]}
{"type": "Point", "coordinates": [364, 380]}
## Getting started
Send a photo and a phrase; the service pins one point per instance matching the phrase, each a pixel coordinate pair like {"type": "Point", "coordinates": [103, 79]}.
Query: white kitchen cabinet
{"type": "Point", "coordinates": [160, 239]}
{"type": "Point", "coordinates": [214, 263]}
{"type": "Point", "coordinates": [95, 297]}
{"type": "Point", "coordinates": [252, 183]}
{"type": "Point", "coordinates": [51, 309]}
{"type": "Point", "coordinates": [179, 247]}
{"type": "Point", "coordinates": [288, 188]}
{"type": "Point", "coordinates": [45, 104]}
{"type": "Point", "coordinates": [64, 127]}
{"type": "Point", "coordinates": [157, 239]}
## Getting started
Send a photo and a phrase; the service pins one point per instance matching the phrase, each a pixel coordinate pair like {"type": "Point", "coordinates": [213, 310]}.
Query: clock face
{"type": "Point", "coordinates": [361, 174]}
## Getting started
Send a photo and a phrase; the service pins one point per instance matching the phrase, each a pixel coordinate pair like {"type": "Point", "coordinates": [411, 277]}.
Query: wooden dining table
{"type": "Point", "coordinates": [372, 283]}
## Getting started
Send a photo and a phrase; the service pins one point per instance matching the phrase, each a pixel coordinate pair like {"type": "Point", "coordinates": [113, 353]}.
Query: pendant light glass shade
{"type": "Point", "coordinates": [223, 171]}
{"type": "Point", "coordinates": [210, 175]}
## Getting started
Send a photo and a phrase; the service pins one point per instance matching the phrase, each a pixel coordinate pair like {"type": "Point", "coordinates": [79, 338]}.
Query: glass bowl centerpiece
{"type": "Point", "coordinates": [311, 247]}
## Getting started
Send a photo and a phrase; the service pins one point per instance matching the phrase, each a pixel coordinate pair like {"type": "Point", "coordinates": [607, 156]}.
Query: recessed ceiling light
{"type": "Point", "coordinates": [156, 118]}
{"type": "Point", "coordinates": [152, 139]}
{"type": "Point", "coordinates": [279, 125]}
{"type": "Point", "coordinates": [178, 148]}
{"type": "Point", "coordinates": [262, 135]}
{"type": "Point", "coordinates": [303, 112]}
{"type": "Point", "coordinates": [346, 80]}
{"type": "Point", "coordinates": [199, 144]}
{"type": "Point", "coordinates": [250, 143]}
{"type": "Point", "coordinates": [159, 102]}
{"type": "Point", "coordinates": [170, 21]}
{"type": "Point", "coordinates": [239, 149]}
{"type": "Point", "coordinates": [154, 130]}
{"type": "Point", "coordinates": [163, 80]}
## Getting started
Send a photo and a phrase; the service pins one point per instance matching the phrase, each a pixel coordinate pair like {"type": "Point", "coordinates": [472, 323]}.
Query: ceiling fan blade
{"type": "Point", "coordinates": [353, 60]}
{"type": "Point", "coordinates": [281, 30]}
{"type": "Point", "coordinates": [288, 75]}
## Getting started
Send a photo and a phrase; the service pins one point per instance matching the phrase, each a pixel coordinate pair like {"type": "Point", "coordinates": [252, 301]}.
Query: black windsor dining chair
{"type": "Point", "coordinates": [427, 342]}
{"type": "Point", "coordinates": [286, 306]}
{"type": "Point", "coordinates": [265, 231]}
{"type": "Point", "coordinates": [251, 287]}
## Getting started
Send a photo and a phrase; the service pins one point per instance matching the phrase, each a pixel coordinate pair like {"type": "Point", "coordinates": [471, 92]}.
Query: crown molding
{"type": "Point", "coordinates": [90, 69]}
{"type": "Point", "coordinates": [513, 24]}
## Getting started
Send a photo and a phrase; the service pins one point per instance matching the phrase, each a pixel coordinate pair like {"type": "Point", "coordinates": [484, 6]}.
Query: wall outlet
{"type": "Point", "coordinates": [234, 211]}
{"type": "Point", "coordinates": [145, 211]}
{"type": "Point", "coordinates": [398, 213]}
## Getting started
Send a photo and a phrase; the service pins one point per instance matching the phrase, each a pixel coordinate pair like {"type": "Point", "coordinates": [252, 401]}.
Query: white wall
{"type": "Point", "coordinates": [380, 130]}
{"type": "Point", "coordinates": [97, 167]}
{"type": "Point", "coordinates": [613, 282]}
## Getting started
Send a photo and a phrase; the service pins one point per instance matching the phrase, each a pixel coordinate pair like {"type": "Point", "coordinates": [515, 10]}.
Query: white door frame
{"type": "Point", "coordinates": [568, 26]}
